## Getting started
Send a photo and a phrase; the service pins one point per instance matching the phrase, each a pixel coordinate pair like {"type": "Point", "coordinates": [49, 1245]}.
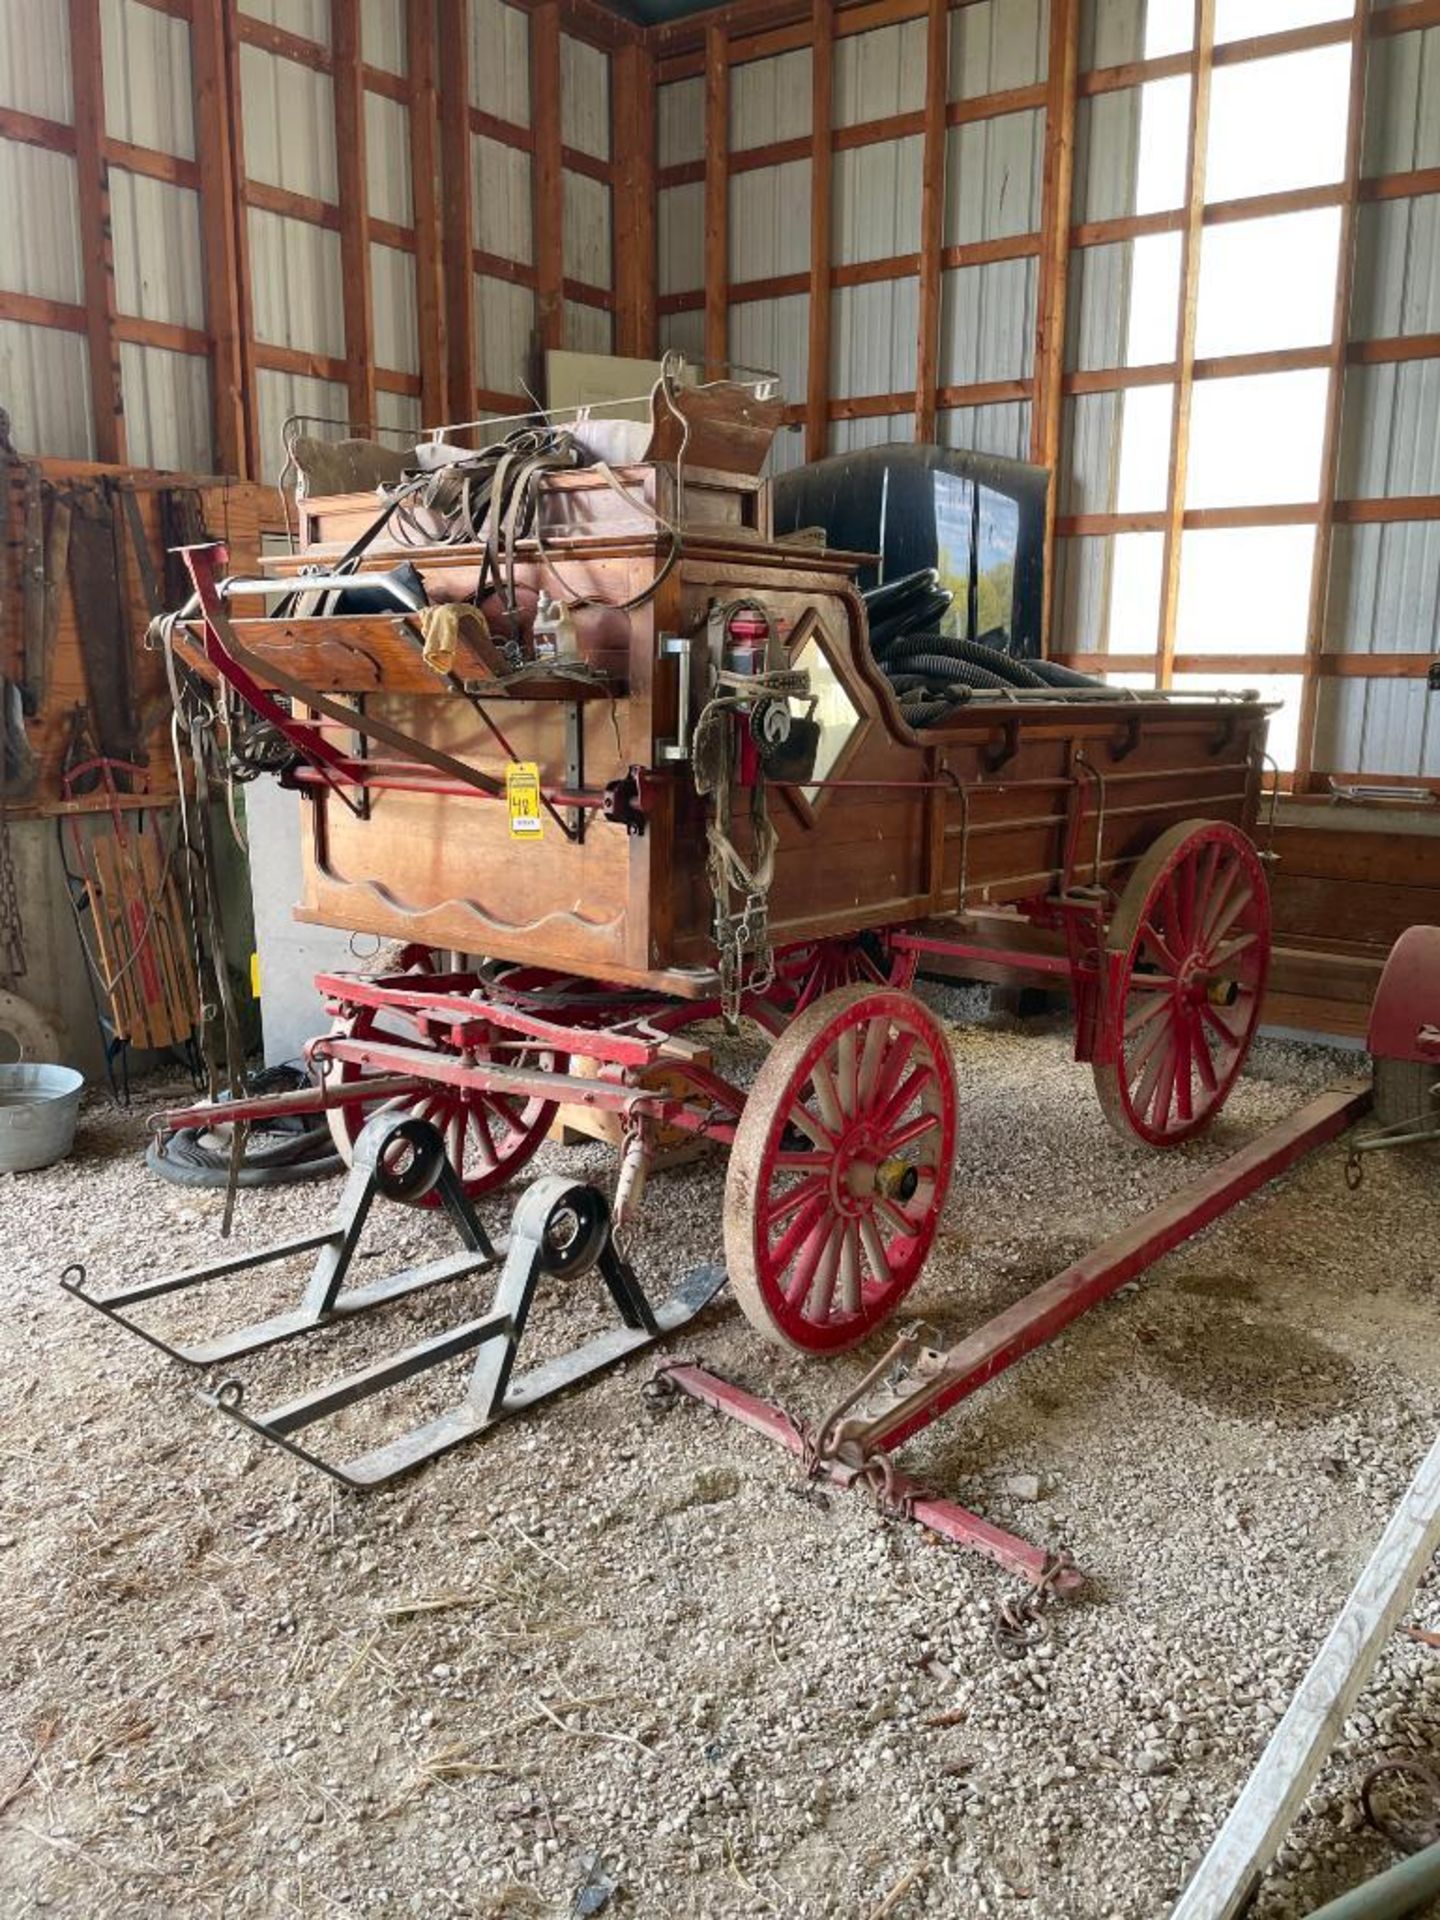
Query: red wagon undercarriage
{"type": "Point", "coordinates": [839, 1152]}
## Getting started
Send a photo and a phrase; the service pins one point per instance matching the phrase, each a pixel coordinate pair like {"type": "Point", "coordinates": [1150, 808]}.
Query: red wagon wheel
{"type": "Point", "coordinates": [807, 973]}
{"type": "Point", "coordinates": [1194, 931]}
{"type": "Point", "coordinates": [840, 1168]}
{"type": "Point", "coordinates": [488, 1137]}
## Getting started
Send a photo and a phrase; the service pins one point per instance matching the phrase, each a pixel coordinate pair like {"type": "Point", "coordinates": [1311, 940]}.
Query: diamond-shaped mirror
{"type": "Point", "coordinates": [835, 712]}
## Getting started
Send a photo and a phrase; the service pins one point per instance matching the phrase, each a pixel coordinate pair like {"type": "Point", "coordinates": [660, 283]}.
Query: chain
{"type": "Point", "coordinates": [12, 928]}
{"type": "Point", "coordinates": [742, 938]}
{"type": "Point", "coordinates": [1022, 1624]}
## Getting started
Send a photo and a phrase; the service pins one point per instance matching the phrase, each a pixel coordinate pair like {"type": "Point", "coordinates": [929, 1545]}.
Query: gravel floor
{"type": "Point", "coordinates": [609, 1647]}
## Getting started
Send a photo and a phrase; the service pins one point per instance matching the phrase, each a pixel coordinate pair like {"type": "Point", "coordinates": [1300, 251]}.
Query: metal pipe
{"type": "Point", "coordinates": [1399, 1890]}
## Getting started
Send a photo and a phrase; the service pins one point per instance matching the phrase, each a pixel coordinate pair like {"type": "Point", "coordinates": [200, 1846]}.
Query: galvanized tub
{"type": "Point", "coordinates": [38, 1106]}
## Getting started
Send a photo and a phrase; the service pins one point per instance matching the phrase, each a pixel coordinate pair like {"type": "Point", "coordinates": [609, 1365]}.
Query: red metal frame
{"type": "Point", "coordinates": [848, 1450]}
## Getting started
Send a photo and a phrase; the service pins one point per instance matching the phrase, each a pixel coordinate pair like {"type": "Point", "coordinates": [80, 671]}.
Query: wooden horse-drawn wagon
{"type": "Point", "coordinates": [607, 759]}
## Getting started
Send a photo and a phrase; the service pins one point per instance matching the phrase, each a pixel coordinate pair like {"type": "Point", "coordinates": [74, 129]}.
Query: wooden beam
{"type": "Point", "coordinates": [219, 212]}
{"type": "Point", "coordinates": [385, 233]}
{"type": "Point", "coordinates": [505, 132]}
{"type": "Point", "coordinates": [153, 165]}
{"type": "Point", "coordinates": [932, 217]}
{"type": "Point", "coordinates": [420, 50]}
{"type": "Point", "coordinates": [96, 242]}
{"type": "Point", "coordinates": [394, 86]}
{"type": "Point", "coordinates": [1401, 186]}
{"type": "Point", "coordinates": [1335, 394]}
{"type": "Point", "coordinates": [495, 266]}
{"type": "Point", "coordinates": [1406, 16]}
{"type": "Point", "coordinates": [576, 160]}
{"type": "Point", "coordinates": [717, 199]}
{"type": "Point", "coordinates": [1392, 512]}
{"type": "Point", "coordinates": [291, 205]}
{"type": "Point", "coordinates": [822, 119]}
{"type": "Point", "coordinates": [254, 32]}
{"type": "Point", "coordinates": [1047, 417]}
{"type": "Point", "coordinates": [636, 265]}
{"type": "Point", "coordinates": [38, 310]}
{"type": "Point", "coordinates": [584, 294]}
{"type": "Point", "coordinates": [1402, 346]}
{"type": "Point", "coordinates": [1231, 666]}
{"type": "Point", "coordinates": [354, 186]}
{"type": "Point", "coordinates": [230, 31]}
{"type": "Point", "coordinates": [778, 153]}
{"type": "Point", "coordinates": [458, 222]}
{"type": "Point", "coordinates": [1185, 335]}
{"type": "Point", "coordinates": [298, 360]}
{"type": "Point", "coordinates": [547, 175]}
{"type": "Point", "coordinates": [30, 130]}
{"type": "Point", "coordinates": [870, 133]}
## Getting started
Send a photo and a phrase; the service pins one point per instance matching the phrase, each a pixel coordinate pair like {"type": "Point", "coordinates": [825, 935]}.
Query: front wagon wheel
{"type": "Point", "coordinates": [840, 1168]}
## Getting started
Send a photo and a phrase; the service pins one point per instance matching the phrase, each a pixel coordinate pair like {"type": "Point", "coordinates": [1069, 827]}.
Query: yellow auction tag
{"type": "Point", "coordinates": [522, 796]}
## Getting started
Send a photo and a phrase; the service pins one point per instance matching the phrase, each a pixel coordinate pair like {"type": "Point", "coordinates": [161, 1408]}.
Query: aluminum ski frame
{"type": "Point", "coordinates": [560, 1229]}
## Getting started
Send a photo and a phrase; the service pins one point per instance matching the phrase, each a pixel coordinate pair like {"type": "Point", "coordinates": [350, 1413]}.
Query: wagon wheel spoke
{"type": "Point", "coordinates": [913, 1130]}
{"type": "Point", "coordinates": [874, 1249]}
{"type": "Point", "coordinates": [1148, 1010]}
{"type": "Point", "coordinates": [1227, 881]}
{"type": "Point", "coordinates": [481, 1135]}
{"type": "Point", "coordinates": [1158, 946]}
{"type": "Point", "coordinates": [1183, 1076]}
{"type": "Point", "coordinates": [885, 1117]}
{"type": "Point", "coordinates": [806, 1258]}
{"type": "Point", "coordinates": [895, 1214]}
{"type": "Point", "coordinates": [821, 1291]}
{"type": "Point", "coordinates": [793, 1160]}
{"type": "Point", "coordinates": [1144, 1095]}
{"type": "Point", "coordinates": [1221, 1025]}
{"type": "Point", "coordinates": [1204, 1065]}
{"type": "Point", "coordinates": [799, 1231]}
{"type": "Point", "coordinates": [1153, 1041]}
{"type": "Point", "coordinates": [1232, 950]}
{"type": "Point", "coordinates": [805, 1122]}
{"type": "Point", "coordinates": [847, 1071]}
{"type": "Point", "coordinates": [783, 1208]}
{"type": "Point", "coordinates": [896, 1059]}
{"type": "Point", "coordinates": [875, 1042]}
{"type": "Point", "coordinates": [828, 1097]}
{"type": "Point", "coordinates": [849, 1283]}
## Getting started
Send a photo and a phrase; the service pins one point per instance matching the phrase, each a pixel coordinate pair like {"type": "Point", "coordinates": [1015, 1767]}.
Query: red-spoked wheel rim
{"type": "Point", "coordinates": [1194, 932]}
{"type": "Point", "coordinates": [840, 1168]}
{"type": "Point", "coordinates": [806, 973]}
{"type": "Point", "coordinates": [488, 1137]}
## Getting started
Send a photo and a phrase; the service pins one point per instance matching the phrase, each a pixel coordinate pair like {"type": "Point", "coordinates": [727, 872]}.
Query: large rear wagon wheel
{"type": "Point", "coordinates": [488, 1137]}
{"type": "Point", "coordinates": [839, 1169]}
{"type": "Point", "coordinates": [806, 973]}
{"type": "Point", "coordinates": [1193, 940]}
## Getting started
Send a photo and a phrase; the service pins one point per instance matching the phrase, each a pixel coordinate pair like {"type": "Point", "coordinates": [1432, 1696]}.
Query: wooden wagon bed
{"type": "Point", "coordinates": [1005, 802]}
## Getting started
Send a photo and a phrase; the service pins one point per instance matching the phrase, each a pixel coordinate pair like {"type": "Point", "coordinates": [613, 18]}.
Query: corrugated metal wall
{"type": "Point", "coordinates": [298, 293]}
{"type": "Point", "coordinates": [1385, 580]}
{"type": "Point", "coordinates": [503, 195]}
{"type": "Point", "coordinates": [993, 183]}
{"type": "Point", "coordinates": [1383, 592]}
